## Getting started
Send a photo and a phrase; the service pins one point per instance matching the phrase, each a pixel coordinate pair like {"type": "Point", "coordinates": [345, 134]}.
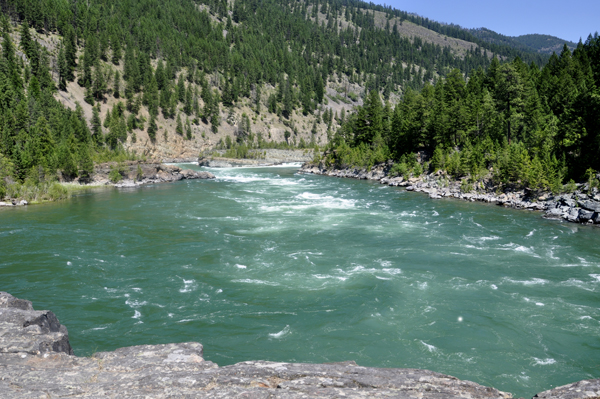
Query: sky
{"type": "Point", "coordinates": [568, 20]}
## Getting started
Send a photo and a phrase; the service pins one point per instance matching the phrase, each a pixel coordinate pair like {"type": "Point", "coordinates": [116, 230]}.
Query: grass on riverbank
{"type": "Point", "coordinates": [46, 191]}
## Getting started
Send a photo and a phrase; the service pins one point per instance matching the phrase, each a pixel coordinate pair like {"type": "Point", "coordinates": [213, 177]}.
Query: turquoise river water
{"type": "Point", "coordinates": [264, 263]}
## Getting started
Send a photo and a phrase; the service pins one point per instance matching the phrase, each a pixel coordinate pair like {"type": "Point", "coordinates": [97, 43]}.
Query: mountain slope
{"type": "Point", "coordinates": [542, 44]}
{"type": "Point", "coordinates": [171, 78]}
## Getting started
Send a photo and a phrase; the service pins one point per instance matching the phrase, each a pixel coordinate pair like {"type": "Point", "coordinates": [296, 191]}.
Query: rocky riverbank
{"type": "Point", "coordinates": [580, 206]}
{"type": "Point", "coordinates": [135, 173]}
{"type": "Point", "coordinates": [37, 361]}
{"type": "Point", "coordinates": [270, 157]}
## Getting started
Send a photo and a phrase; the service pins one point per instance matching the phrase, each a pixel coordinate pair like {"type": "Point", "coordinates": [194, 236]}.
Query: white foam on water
{"type": "Point", "coordinates": [492, 238]}
{"type": "Point", "coordinates": [135, 303]}
{"type": "Point", "coordinates": [435, 213]}
{"type": "Point", "coordinates": [241, 266]}
{"type": "Point", "coordinates": [281, 333]}
{"type": "Point", "coordinates": [584, 262]}
{"type": "Point", "coordinates": [382, 278]}
{"type": "Point", "coordinates": [530, 233]}
{"type": "Point", "coordinates": [384, 263]}
{"type": "Point", "coordinates": [551, 254]}
{"type": "Point", "coordinates": [321, 277]}
{"type": "Point", "coordinates": [585, 318]}
{"type": "Point", "coordinates": [534, 281]}
{"type": "Point", "coordinates": [494, 286]}
{"type": "Point", "coordinates": [99, 328]}
{"type": "Point", "coordinates": [136, 289]}
{"type": "Point", "coordinates": [136, 315]}
{"type": "Point", "coordinates": [188, 286]}
{"type": "Point", "coordinates": [326, 201]}
{"type": "Point", "coordinates": [243, 179]}
{"type": "Point", "coordinates": [519, 248]}
{"type": "Point", "coordinates": [362, 270]}
{"type": "Point", "coordinates": [259, 282]}
{"type": "Point", "coordinates": [284, 182]}
{"type": "Point", "coordinates": [596, 276]}
{"type": "Point", "coordinates": [69, 264]}
{"type": "Point", "coordinates": [539, 304]}
{"type": "Point", "coordinates": [219, 291]}
{"type": "Point", "coordinates": [543, 362]}
{"type": "Point", "coordinates": [429, 347]}
{"type": "Point", "coordinates": [572, 282]}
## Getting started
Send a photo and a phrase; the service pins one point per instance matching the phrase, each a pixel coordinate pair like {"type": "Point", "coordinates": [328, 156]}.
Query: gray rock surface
{"type": "Point", "coordinates": [577, 390]}
{"type": "Point", "coordinates": [27, 331]}
{"type": "Point", "coordinates": [29, 369]}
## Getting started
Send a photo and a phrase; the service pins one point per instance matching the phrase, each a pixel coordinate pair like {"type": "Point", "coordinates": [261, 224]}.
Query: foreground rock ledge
{"type": "Point", "coordinates": [36, 361]}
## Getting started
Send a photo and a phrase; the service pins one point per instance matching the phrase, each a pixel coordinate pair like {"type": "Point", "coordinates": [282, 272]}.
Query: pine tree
{"type": "Point", "coordinates": [99, 82]}
{"type": "Point", "coordinates": [187, 106]}
{"type": "Point", "coordinates": [70, 48]}
{"type": "Point", "coordinates": [151, 99]}
{"type": "Point", "coordinates": [86, 165]}
{"type": "Point", "coordinates": [257, 98]}
{"type": "Point", "coordinates": [161, 79]}
{"type": "Point", "coordinates": [116, 50]}
{"type": "Point", "coordinates": [181, 88]}
{"type": "Point", "coordinates": [152, 128]}
{"type": "Point", "coordinates": [96, 125]}
{"type": "Point", "coordinates": [117, 85]}
{"type": "Point", "coordinates": [179, 128]}
{"type": "Point", "coordinates": [107, 119]}
{"type": "Point", "coordinates": [287, 101]}
{"type": "Point", "coordinates": [63, 69]}
{"type": "Point", "coordinates": [188, 129]}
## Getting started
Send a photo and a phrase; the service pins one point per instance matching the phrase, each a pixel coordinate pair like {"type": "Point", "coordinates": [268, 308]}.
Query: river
{"type": "Point", "coordinates": [264, 263]}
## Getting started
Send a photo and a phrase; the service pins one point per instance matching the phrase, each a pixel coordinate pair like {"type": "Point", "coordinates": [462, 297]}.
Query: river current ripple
{"type": "Point", "coordinates": [265, 263]}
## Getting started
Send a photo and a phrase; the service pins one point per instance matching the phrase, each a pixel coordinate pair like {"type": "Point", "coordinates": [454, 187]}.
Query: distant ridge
{"type": "Point", "coordinates": [545, 44]}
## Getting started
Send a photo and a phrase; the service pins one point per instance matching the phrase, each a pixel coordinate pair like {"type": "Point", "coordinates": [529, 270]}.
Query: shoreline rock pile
{"type": "Point", "coordinates": [577, 207]}
{"type": "Point", "coordinates": [36, 361]}
{"type": "Point", "coordinates": [138, 173]}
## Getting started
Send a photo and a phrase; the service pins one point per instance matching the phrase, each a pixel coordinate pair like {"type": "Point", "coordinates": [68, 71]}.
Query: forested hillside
{"type": "Point", "coordinates": [526, 127]}
{"type": "Point", "coordinates": [545, 43]}
{"type": "Point", "coordinates": [38, 136]}
{"type": "Point", "coordinates": [180, 76]}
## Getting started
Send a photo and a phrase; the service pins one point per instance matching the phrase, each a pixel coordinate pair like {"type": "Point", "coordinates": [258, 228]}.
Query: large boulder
{"type": "Point", "coordinates": [593, 206]}
{"type": "Point", "coordinates": [24, 330]}
{"type": "Point", "coordinates": [577, 390]}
